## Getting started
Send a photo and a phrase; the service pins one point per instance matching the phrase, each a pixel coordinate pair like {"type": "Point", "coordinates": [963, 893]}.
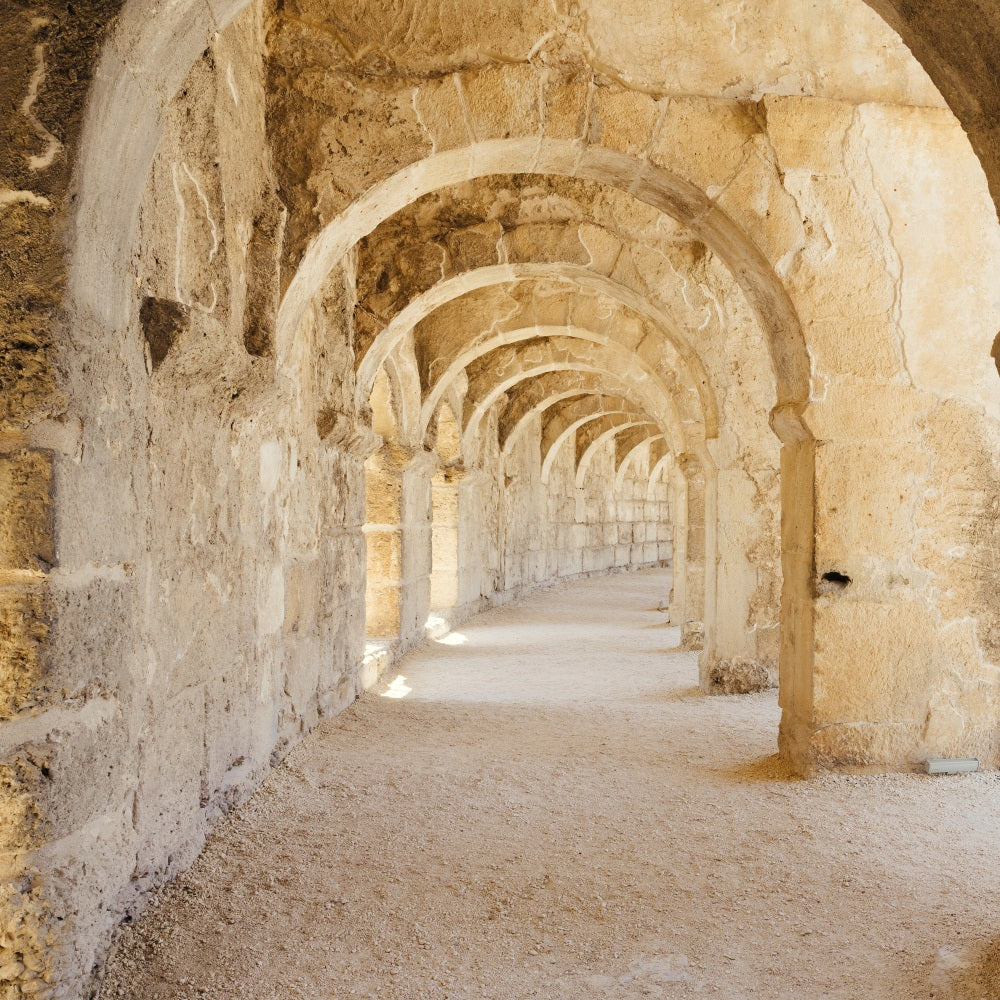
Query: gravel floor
{"type": "Point", "coordinates": [543, 805]}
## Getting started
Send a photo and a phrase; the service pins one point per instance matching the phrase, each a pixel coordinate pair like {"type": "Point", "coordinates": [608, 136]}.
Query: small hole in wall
{"type": "Point", "coordinates": [995, 353]}
{"type": "Point", "coordinates": [833, 582]}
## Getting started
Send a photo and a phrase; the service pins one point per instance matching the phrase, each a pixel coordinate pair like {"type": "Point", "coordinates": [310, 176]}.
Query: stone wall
{"type": "Point", "coordinates": [215, 242]}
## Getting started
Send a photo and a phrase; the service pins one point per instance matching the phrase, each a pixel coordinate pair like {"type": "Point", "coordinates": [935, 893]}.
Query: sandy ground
{"type": "Point", "coordinates": [543, 805]}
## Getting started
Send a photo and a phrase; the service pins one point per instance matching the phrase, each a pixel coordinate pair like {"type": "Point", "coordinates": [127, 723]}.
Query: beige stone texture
{"type": "Point", "coordinates": [318, 316]}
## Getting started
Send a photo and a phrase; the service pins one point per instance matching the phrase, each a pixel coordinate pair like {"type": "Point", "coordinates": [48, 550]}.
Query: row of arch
{"type": "Point", "coordinates": [758, 251]}
{"type": "Point", "coordinates": [670, 391]}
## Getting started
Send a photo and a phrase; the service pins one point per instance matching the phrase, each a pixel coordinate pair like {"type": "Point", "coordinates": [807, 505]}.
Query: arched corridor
{"type": "Point", "coordinates": [544, 804]}
{"type": "Point", "coordinates": [328, 325]}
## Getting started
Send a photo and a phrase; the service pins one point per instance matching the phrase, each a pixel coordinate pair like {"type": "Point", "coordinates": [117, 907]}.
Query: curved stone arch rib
{"type": "Point", "coordinates": [533, 371]}
{"type": "Point", "coordinates": [628, 448]}
{"type": "Point", "coordinates": [537, 396]}
{"type": "Point", "coordinates": [588, 451]}
{"type": "Point", "coordinates": [558, 430]}
{"type": "Point", "coordinates": [550, 454]}
{"type": "Point", "coordinates": [512, 338]}
{"type": "Point", "coordinates": [576, 275]}
{"type": "Point", "coordinates": [501, 365]}
{"type": "Point", "coordinates": [559, 415]}
{"type": "Point", "coordinates": [654, 186]}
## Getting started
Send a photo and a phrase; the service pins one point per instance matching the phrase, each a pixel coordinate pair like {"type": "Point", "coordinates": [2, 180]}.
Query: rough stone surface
{"type": "Point", "coordinates": [317, 318]}
{"type": "Point", "coordinates": [498, 802]}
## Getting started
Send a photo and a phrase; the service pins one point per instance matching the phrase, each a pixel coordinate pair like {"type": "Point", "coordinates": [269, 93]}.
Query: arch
{"type": "Point", "coordinates": [551, 355]}
{"type": "Point", "coordinates": [532, 398]}
{"type": "Point", "coordinates": [661, 467]}
{"type": "Point", "coordinates": [655, 186]}
{"type": "Point", "coordinates": [559, 428]}
{"type": "Point", "coordinates": [575, 275]}
{"type": "Point", "coordinates": [555, 335]}
{"type": "Point", "coordinates": [632, 454]}
{"type": "Point", "coordinates": [606, 430]}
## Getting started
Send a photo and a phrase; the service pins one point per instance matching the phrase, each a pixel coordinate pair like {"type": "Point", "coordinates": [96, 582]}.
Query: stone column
{"type": "Point", "coordinates": [692, 620]}
{"type": "Point", "coordinates": [445, 538]}
{"type": "Point", "coordinates": [739, 657]}
{"type": "Point", "coordinates": [678, 506]}
{"type": "Point", "coordinates": [398, 542]}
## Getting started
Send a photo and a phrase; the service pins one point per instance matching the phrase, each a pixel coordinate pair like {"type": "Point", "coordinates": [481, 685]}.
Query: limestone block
{"type": "Point", "coordinates": [705, 141]}
{"type": "Point", "coordinates": [302, 597]}
{"type": "Point", "coordinates": [957, 518]}
{"type": "Point", "coordinates": [168, 795]}
{"type": "Point", "coordinates": [302, 669]}
{"type": "Point", "coordinates": [852, 285]}
{"type": "Point", "coordinates": [415, 598]}
{"type": "Point", "coordinates": [25, 614]}
{"type": "Point", "coordinates": [26, 541]}
{"type": "Point", "coordinates": [376, 137]}
{"type": "Point", "coordinates": [696, 542]}
{"type": "Point", "coordinates": [540, 242]}
{"type": "Point", "coordinates": [874, 662]}
{"type": "Point", "coordinates": [734, 676]}
{"type": "Point", "coordinates": [445, 505]}
{"type": "Point", "coordinates": [385, 556]}
{"type": "Point", "coordinates": [919, 162]}
{"type": "Point", "coordinates": [809, 133]}
{"type": "Point", "coordinates": [503, 101]}
{"type": "Point", "coordinates": [862, 503]}
{"type": "Point", "coordinates": [86, 656]}
{"type": "Point", "coordinates": [383, 614]}
{"type": "Point", "coordinates": [84, 768]}
{"type": "Point", "coordinates": [83, 871]}
{"type": "Point", "coordinates": [115, 537]}
{"type": "Point", "coordinates": [240, 742]}
{"type": "Point", "coordinates": [867, 413]}
{"type": "Point", "coordinates": [623, 120]}
{"type": "Point", "coordinates": [757, 201]}
{"type": "Point", "coordinates": [865, 745]}
{"type": "Point", "coordinates": [417, 556]}
{"type": "Point", "coordinates": [473, 247]}
{"type": "Point", "coordinates": [441, 112]}
{"type": "Point", "coordinates": [565, 103]}
{"type": "Point", "coordinates": [716, 49]}
{"type": "Point", "coordinates": [838, 216]}
{"type": "Point", "coordinates": [603, 247]}
{"type": "Point", "coordinates": [692, 635]}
